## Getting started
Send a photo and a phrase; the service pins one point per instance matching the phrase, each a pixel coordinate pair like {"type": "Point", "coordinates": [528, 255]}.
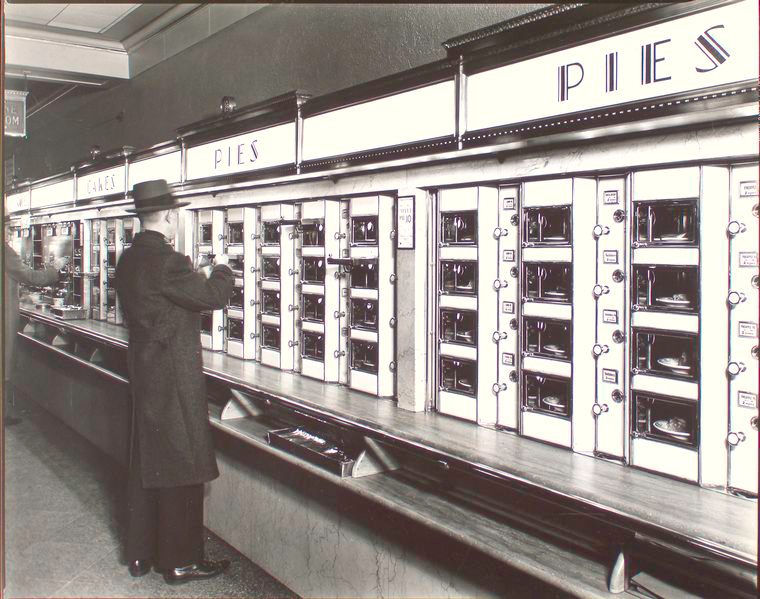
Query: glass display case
{"type": "Point", "coordinates": [364, 274]}
{"type": "Point", "coordinates": [363, 356]}
{"type": "Point", "coordinates": [459, 228]}
{"type": "Point", "coordinates": [459, 277]}
{"type": "Point", "coordinates": [547, 282]}
{"type": "Point", "coordinates": [270, 267]}
{"type": "Point", "coordinates": [313, 270]}
{"type": "Point", "coordinates": [547, 225]}
{"type": "Point", "coordinates": [666, 288]}
{"type": "Point", "coordinates": [270, 336]}
{"type": "Point", "coordinates": [364, 230]}
{"type": "Point", "coordinates": [665, 419]}
{"type": "Point", "coordinates": [547, 338]}
{"type": "Point", "coordinates": [364, 314]}
{"type": "Point", "coordinates": [547, 394]}
{"type": "Point", "coordinates": [666, 354]}
{"type": "Point", "coordinates": [313, 345]}
{"type": "Point", "coordinates": [313, 307]}
{"type": "Point", "coordinates": [270, 302]}
{"type": "Point", "coordinates": [459, 326]}
{"type": "Point", "coordinates": [665, 223]}
{"type": "Point", "coordinates": [313, 234]}
{"type": "Point", "coordinates": [458, 376]}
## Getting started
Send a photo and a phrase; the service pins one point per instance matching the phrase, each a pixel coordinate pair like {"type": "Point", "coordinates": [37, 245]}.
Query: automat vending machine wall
{"type": "Point", "coordinates": [108, 239]}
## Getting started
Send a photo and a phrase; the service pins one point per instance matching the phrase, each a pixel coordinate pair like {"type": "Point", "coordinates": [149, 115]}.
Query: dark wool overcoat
{"type": "Point", "coordinates": [161, 298]}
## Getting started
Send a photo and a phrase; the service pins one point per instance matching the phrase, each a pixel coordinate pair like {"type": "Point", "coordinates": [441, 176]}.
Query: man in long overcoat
{"type": "Point", "coordinates": [16, 272]}
{"type": "Point", "coordinates": [172, 451]}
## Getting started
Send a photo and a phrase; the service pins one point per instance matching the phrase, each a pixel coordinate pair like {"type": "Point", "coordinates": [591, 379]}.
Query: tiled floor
{"type": "Point", "coordinates": [63, 519]}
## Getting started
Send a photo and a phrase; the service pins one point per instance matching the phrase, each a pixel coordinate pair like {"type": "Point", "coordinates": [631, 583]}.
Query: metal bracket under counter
{"type": "Point", "coordinates": [717, 526]}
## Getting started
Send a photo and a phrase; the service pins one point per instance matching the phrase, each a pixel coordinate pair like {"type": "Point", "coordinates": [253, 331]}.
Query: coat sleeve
{"type": "Point", "coordinates": [18, 271]}
{"type": "Point", "coordinates": [192, 290]}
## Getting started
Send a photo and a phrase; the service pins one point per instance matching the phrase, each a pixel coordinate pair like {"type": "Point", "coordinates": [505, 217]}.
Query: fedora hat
{"type": "Point", "coordinates": [150, 196]}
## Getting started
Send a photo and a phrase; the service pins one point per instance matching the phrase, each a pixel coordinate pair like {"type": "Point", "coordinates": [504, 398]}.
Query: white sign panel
{"type": "Point", "coordinates": [51, 195]}
{"type": "Point", "coordinates": [405, 223]}
{"type": "Point", "coordinates": [417, 115]}
{"type": "Point", "coordinates": [265, 148]}
{"type": "Point", "coordinates": [711, 48]}
{"type": "Point", "coordinates": [17, 202]}
{"type": "Point", "coordinates": [101, 183]}
{"type": "Point", "coordinates": [167, 166]}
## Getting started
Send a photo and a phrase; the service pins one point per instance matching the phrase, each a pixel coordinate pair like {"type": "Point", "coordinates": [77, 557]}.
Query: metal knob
{"type": "Point", "coordinates": [500, 284]}
{"type": "Point", "coordinates": [753, 422]}
{"type": "Point", "coordinates": [499, 232]}
{"type": "Point", "coordinates": [735, 438]}
{"type": "Point", "coordinates": [220, 237]}
{"type": "Point", "coordinates": [618, 276]}
{"type": "Point", "coordinates": [392, 279]}
{"type": "Point", "coordinates": [600, 230]}
{"type": "Point", "coordinates": [292, 343]}
{"type": "Point", "coordinates": [513, 376]}
{"type": "Point", "coordinates": [735, 227]}
{"type": "Point", "coordinates": [292, 272]}
{"type": "Point", "coordinates": [600, 290]}
{"type": "Point", "coordinates": [600, 349]}
{"type": "Point", "coordinates": [618, 216]}
{"type": "Point", "coordinates": [253, 303]}
{"type": "Point", "coordinates": [255, 236]}
{"type": "Point", "coordinates": [735, 297]}
{"type": "Point", "coordinates": [392, 322]}
{"type": "Point", "coordinates": [618, 336]}
{"type": "Point", "coordinates": [338, 354]}
{"type": "Point", "coordinates": [254, 269]}
{"type": "Point", "coordinates": [392, 366]}
{"type": "Point", "coordinates": [292, 308]}
{"type": "Point", "coordinates": [513, 272]}
{"type": "Point", "coordinates": [514, 220]}
{"type": "Point", "coordinates": [338, 314]}
{"type": "Point", "coordinates": [496, 387]}
{"type": "Point", "coordinates": [513, 324]}
{"type": "Point", "coordinates": [498, 336]}
{"type": "Point", "coordinates": [617, 396]}
{"type": "Point", "coordinates": [220, 328]}
{"type": "Point", "coordinates": [340, 236]}
{"type": "Point", "coordinates": [735, 368]}
{"type": "Point", "coordinates": [599, 409]}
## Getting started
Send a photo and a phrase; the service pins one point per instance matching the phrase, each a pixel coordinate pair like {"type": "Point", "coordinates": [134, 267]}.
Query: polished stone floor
{"type": "Point", "coordinates": [63, 515]}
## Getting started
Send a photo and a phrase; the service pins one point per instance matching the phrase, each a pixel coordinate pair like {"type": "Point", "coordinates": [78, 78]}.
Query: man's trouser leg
{"type": "Point", "coordinates": [165, 525]}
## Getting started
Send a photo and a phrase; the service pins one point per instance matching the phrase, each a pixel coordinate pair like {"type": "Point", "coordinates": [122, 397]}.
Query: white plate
{"type": "Point", "coordinates": [672, 363]}
{"type": "Point", "coordinates": [671, 301]}
{"type": "Point", "coordinates": [553, 349]}
{"type": "Point", "coordinates": [552, 400]}
{"type": "Point", "coordinates": [554, 293]}
{"type": "Point", "coordinates": [664, 427]}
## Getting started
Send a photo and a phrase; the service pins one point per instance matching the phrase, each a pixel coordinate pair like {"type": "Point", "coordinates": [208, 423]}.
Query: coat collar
{"type": "Point", "coordinates": [153, 238]}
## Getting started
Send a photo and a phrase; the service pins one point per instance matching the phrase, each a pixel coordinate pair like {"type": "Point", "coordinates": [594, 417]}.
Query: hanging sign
{"type": "Point", "coordinates": [707, 49]}
{"type": "Point", "coordinates": [101, 183]}
{"type": "Point", "coordinates": [14, 124]}
{"type": "Point", "coordinates": [265, 148]}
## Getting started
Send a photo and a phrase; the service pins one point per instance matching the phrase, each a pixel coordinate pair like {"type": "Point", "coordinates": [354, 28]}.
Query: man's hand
{"type": "Point", "coordinates": [60, 263]}
{"type": "Point", "coordinates": [222, 260]}
{"type": "Point", "coordinates": [203, 260]}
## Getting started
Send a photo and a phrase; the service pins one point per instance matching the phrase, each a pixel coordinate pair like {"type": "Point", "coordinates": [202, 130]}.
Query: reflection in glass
{"type": "Point", "coordinates": [235, 329]}
{"type": "Point", "coordinates": [665, 419]}
{"type": "Point", "coordinates": [547, 281]}
{"type": "Point", "coordinates": [313, 270]}
{"type": "Point", "coordinates": [205, 233]}
{"type": "Point", "coordinates": [270, 302]}
{"type": "Point", "coordinates": [547, 394]}
{"type": "Point", "coordinates": [313, 307]}
{"type": "Point", "coordinates": [313, 234]}
{"type": "Point", "coordinates": [364, 314]}
{"type": "Point", "coordinates": [236, 299]}
{"type": "Point", "coordinates": [364, 356]}
{"type": "Point", "coordinates": [270, 336]}
{"type": "Point", "coordinates": [547, 225]}
{"type": "Point", "coordinates": [548, 338]}
{"type": "Point", "coordinates": [459, 376]}
{"type": "Point", "coordinates": [459, 326]}
{"type": "Point", "coordinates": [459, 228]}
{"type": "Point", "coordinates": [667, 288]}
{"type": "Point", "coordinates": [271, 268]}
{"type": "Point", "coordinates": [666, 223]}
{"type": "Point", "coordinates": [313, 345]}
{"type": "Point", "coordinates": [364, 275]}
{"type": "Point", "coordinates": [270, 233]}
{"type": "Point", "coordinates": [458, 277]}
{"type": "Point", "coordinates": [235, 233]}
{"type": "Point", "coordinates": [364, 230]}
{"type": "Point", "coordinates": [667, 354]}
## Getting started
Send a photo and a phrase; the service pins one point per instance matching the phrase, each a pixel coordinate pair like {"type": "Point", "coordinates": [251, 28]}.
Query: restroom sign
{"type": "Point", "coordinates": [405, 223]}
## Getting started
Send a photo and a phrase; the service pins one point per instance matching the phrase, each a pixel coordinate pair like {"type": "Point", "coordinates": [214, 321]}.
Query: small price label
{"type": "Point", "coordinates": [747, 258]}
{"type": "Point", "coordinates": [610, 197]}
{"type": "Point", "coordinates": [508, 307]}
{"type": "Point", "coordinates": [747, 189]}
{"type": "Point", "coordinates": [610, 257]}
{"type": "Point", "coordinates": [508, 359]}
{"type": "Point", "coordinates": [748, 329]}
{"type": "Point", "coordinates": [508, 204]}
{"type": "Point", "coordinates": [508, 256]}
{"type": "Point", "coordinates": [747, 400]}
{"type": "Point", "coordinates": [610, 376]}
{"type": "Point", "coordinates": [610, 316]}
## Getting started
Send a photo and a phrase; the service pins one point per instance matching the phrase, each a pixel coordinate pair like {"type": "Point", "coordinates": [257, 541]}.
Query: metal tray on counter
{"type": "Point", "coordinates": [312, 448]}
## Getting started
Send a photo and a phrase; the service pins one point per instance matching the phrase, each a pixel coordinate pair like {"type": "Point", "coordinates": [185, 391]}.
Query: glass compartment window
{"type": "Point", "coordinates": [547, 225]}
{"type": "Point", "coordinates": [547, 338]}
{"type": "Point", "coordinates": [364, 230]}
{"type": "Point", "coordinates": [270, 336]}
{"type": "Point", "coordinates": [270, 302]}
{"type": "Point", "coordinates": [364, 356]}
{"type": "Point", "coordinates": [459, 228]}
{"type": "Point", "coordinates": [547, 394]}
{"type": "Point", "coordinates": [313, 234]}
{"type": "Point", "coordinates": [235, 233]}
{"type": "Point", "coordinates": [237, 298]}
{"type": "Point", "coordinates": [458, 376]}
{"type": "Point", "coordinates": [459, 326]}
{"type": "Point", "coordinates": [313, 270]}
{"type": "Point", "coordinates": [666, 354]}
{"type": "Point", "coordinates": [235, 329]}
{"type": "Point", "coordinates": [666, 223]}
{"type": "Point", "coordinates": [547, 281]}
{"type": "Point", "coordinates": [665, 419]}
{"type": "Point", "coordinates": [270, 233]}
{"type": "Point", "coordinates": [667, 288]}
{"type": "Point", "coordinates": [205, 233]}
{"type": "Point", "coordinates": [459, 277]}
{"type": "Point", "coordinates": [313, 307]}
{"type": "Point", "coordinates": [270, 266]}
{"type": "Point", "coordinates": [207, 322]}
{"type": "Point", "coordinates": [364, 314]}
{"type": "Point", "coordinates": [237, 264]}
{"type": "Point", "coordinates": [313, 345]}
{"type": "Point", "coordinates": [364, 275]}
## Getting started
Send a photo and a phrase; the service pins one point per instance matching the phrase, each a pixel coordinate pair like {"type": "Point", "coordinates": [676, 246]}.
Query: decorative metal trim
{"type": "Point", "coordinates": [368, 155]}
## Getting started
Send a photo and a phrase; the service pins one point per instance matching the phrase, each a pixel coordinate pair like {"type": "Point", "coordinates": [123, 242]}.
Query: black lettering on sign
{"type": "Point", "coordinates": [565, 74]}
{"type": "Point", "coordinates": [611, 74]}
{"type": "Point", "coordinates": [710, 47]}
{"type": "Point", "coordinates": [649, 61]}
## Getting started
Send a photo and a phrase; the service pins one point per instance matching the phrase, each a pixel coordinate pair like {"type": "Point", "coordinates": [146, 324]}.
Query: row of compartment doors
{"type": "Point", "coordinates": [616, 316]}
{"type": "Point", "coordinates": [314, 288]}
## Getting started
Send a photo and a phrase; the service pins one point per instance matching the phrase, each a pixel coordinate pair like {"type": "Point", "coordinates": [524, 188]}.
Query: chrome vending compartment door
{"type": "Point", "coordinates": [610, 407]}
{"type": "Point", "coordinates": [240, 243]}
{"type": "Point", "coordinates": [209, 240]}
{"type": "Point", "coordinates": [742, 368]}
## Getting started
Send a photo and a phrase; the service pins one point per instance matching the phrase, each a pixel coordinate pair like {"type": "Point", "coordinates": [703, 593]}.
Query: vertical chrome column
{"type": "Point", "coordinates": [742, 368]}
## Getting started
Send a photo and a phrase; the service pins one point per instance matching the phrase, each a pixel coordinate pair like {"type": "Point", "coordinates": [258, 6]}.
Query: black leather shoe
{"type": "Point", "coordinates": [203, 569]}
{"type": "Point", "coordinates": [140, 567]}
